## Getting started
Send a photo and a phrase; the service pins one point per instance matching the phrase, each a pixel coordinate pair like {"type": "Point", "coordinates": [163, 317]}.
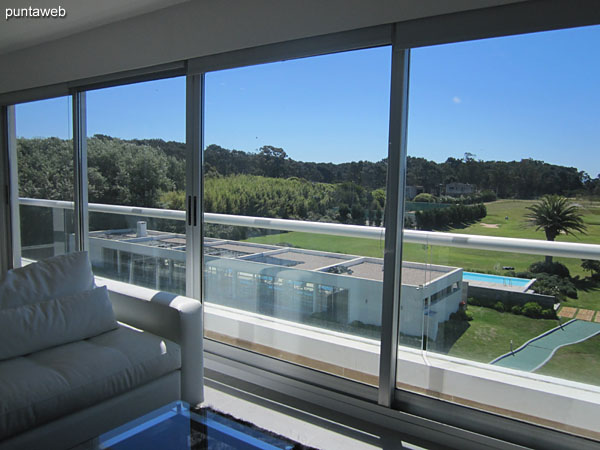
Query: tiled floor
{"type": "Point", "coordinates": [567, 312]}
{"type": "Point", "coordinates": [581, 314]}
{"type": "Point", "coordinates": [298, 425]}
{"type": "Point", "coordinates": [585, 314]}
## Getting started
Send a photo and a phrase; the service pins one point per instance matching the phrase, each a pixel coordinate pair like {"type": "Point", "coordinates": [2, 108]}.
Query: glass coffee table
{"type": "Point", "coordinates": [177, 427]}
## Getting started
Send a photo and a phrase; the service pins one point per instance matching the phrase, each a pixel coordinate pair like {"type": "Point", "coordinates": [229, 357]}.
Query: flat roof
{"type": "Point", "coordinates": [124, 235]}
{"type": "Point", "coordinates": [413, 276]}
{"type": "Point", "coordinates": [232, 250]}
{"type": "Point", "coordinates": [300, 260]}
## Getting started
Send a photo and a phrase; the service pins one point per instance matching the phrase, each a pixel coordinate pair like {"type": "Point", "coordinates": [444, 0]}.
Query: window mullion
{"type": "Point", "coordinates": [11, 240]}
{"type": "Point", "coordinates": [394, 213]}
{"type": "Point", "coordinates": [80, 181]}
{"type": "Point", "coordinates": [194, 183]}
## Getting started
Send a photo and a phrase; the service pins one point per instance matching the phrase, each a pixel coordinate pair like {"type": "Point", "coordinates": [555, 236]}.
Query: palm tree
{"type": "Point", "coordinates": [555, 215]}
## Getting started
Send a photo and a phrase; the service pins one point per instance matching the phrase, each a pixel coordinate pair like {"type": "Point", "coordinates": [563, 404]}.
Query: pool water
{"type": "Point", "coordinates": [497, 279]}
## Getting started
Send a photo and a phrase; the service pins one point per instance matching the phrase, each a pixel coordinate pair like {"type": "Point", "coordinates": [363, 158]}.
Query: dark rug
{"type": "Point", "coordinates": [205, 437]}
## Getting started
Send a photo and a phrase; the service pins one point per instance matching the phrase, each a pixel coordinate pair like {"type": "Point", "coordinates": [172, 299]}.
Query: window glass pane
{"type": "Point", "coordinates": [503, 142]}
{"type": "Point", "coordinates": [45, 177]}
{"type": "Point", "coordinates": [304, 141]}
{"type": "Point", "coordinates": [136, 159]}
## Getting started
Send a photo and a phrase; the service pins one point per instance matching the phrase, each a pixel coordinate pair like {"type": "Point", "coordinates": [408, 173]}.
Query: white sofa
{"type": "Point", "coordinates": [69, 372]}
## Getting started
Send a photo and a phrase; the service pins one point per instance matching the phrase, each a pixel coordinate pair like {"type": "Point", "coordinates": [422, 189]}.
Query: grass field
{"type": "Point", "coordinates": [488, 335]}
{"type": "Point", "coordinates": [324, 242]}
{"type": "Point", "coordinates": [469, 259]}
{"type": "Point", "coordinates": [515, 226]}
{"type": "Point", "coordinates": [577, 362]}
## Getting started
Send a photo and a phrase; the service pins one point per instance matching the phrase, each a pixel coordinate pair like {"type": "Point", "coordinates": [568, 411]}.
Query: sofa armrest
{"type": "Point", "coordinates": [171, 316]}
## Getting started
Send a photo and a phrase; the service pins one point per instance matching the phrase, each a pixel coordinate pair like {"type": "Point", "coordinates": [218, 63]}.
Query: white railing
{"type": "Point", "coordinates": [490, 243]}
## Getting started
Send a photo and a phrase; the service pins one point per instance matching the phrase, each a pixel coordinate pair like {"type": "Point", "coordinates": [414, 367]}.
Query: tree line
{"type": "Point", "coordinates": [139, 171]}
{"type": "Point", "coordinates": [524, 179]}
{"type": "Point", "coordinates": [151, 173]}
{"type": "Point", "coordinates": [527, 178]}
{"type": "Point", "coordinates": [289, 198]}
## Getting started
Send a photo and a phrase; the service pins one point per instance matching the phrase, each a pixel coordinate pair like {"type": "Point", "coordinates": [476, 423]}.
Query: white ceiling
{"type": "Point", "coordinates": [18, 33]}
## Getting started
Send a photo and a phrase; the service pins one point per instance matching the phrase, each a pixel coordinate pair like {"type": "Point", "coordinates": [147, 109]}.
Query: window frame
{"type": "Point", "coordinates": [395, 404]}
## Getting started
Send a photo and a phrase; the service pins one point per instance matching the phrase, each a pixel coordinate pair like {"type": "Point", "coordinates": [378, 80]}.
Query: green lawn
{"type": "Point", "coordinates": [515, 226]}
{"type": "Point", "coordinates": [469, 259]}
{"type": "Point", "coordinates": [577, 362]}
{"type": "Point", "coordinates": [326, 243]}
{"type": "Point", "coordinates": [488, 335]}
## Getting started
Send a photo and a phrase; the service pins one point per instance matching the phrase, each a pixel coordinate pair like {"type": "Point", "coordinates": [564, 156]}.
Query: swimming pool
{"type": "Point", "coordinates": [496, 279]}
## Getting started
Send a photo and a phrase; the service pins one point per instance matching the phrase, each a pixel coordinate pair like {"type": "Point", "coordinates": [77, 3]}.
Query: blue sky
{"type": "Point", "coordinates": [531, 96]}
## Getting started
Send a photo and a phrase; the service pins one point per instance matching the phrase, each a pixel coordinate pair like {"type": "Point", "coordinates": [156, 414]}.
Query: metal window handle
{"type": "Point", "coordinates": [195, 210]}
{"type": "Point", "coordinates": [189, 211]}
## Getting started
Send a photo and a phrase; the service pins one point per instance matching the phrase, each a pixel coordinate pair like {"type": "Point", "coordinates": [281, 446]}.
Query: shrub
{"type": "Point", "coordinates": [473, 301]}
{"type": "Point", "coordinates": [484, 196]}
{"type": "Point", "coordinates": [532, 309]}
{"type": "Point", "coordinates": [525, 274]}
{"type": "Point", "coordinates": [485, 302]}
{"type": "Point", "coordinates": [553, 268]}
{"type": "Point", "coordinates": [554, 285]}
{"type": "Point", "coordinates": [488, 196]}
{"type": "Point", "coordinates": [571, 292]}
{"type": "Point", "coordinates": [591, 266]}
{"type": "Point", "coordinates": [548, 314]}
{"type": "Point", "coordinates": [499, 306]}
{"type": "Point", "coordinates": [424, 198]}
{"type": "Point", "coordinates": [516, 310]}
{"type": "Point", "coordinates": [461, 314]}
{"type": "Point", "coordinates": [452, 215]}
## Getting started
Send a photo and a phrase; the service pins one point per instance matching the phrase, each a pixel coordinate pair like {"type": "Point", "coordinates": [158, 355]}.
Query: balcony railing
{"type": "Point", "coordinates": [490, 243]}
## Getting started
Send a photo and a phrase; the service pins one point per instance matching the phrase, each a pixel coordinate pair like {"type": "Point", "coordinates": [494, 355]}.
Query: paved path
{"type": "Point", "coordinates": [537, 351]}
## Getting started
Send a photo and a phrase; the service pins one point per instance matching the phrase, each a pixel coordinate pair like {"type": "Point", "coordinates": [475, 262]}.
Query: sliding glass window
{"type": "Point", "coordinates": [294, 191]}
{"type": "Point", "coordinates": [136, 183]}
{"type": "Point", "coordinates": [44, 153]}
{"type": "Point", "coordinates": [503, 143]}
{"type": "Point", "coordinates": [500, 278]}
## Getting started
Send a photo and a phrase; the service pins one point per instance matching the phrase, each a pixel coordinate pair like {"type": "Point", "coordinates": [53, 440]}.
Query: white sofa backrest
{"type": "Point", "coordinates": [50, 278]}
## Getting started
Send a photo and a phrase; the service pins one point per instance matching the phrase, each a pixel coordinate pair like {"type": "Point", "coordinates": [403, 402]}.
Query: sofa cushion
{"type": "Point", "coordinates": [33, 327]}
{"type": "Point", "coordinates": [47, 279]}
{"type": "Point", "coordinates": [46, 385]}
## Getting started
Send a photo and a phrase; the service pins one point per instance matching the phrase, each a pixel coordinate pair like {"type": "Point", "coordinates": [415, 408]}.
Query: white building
{"type": "Point", "coordinates": [286, 283]}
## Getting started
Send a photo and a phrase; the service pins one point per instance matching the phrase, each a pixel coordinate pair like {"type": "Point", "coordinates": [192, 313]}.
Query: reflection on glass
{"type": "Point", "coordinates": [301, 140]}
{"type": "Point", "coordinates": [492, 154]}
{"type": "Point", "coordinates": [45, 172]}
{"type": "Point", "coordinates": [136, 159]}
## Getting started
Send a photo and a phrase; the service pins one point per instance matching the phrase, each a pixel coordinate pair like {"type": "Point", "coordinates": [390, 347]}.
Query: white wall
{"type": "Point", "coordinates": [199, 28]}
